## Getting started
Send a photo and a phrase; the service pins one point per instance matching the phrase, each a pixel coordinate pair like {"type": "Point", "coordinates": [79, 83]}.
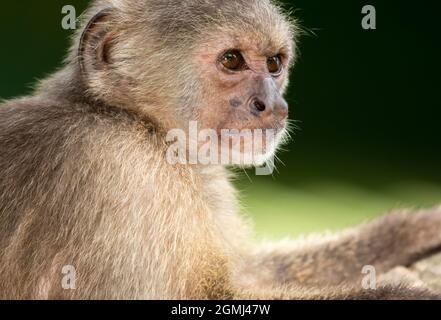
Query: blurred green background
{"type": "Point", "coordinates": [368, 105]}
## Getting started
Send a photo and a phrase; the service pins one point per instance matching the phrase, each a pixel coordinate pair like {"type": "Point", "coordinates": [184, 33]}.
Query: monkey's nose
{"type": "Point", "coordinates": [277, 108]}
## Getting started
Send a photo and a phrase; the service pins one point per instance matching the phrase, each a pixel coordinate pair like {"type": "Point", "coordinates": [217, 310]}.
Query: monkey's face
{"type": "Point", "coordinates": [243, 83]}
{"type": "Point", "coordinates": [223, 64]}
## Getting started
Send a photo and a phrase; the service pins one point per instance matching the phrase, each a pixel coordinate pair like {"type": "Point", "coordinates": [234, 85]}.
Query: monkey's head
{"type": "Point", "coordinates": [224, 64]}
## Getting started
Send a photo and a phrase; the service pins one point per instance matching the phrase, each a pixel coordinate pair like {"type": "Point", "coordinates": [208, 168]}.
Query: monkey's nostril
{"type": "Point", "coordinates": [259, 105]}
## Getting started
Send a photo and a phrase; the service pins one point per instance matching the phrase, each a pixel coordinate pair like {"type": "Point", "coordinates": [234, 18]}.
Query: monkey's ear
{"type": "Point", "coordinates": [95, 42]}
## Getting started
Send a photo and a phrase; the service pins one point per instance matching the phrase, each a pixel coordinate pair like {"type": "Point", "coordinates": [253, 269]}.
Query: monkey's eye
{"type": "Point", "coordinates": [274, 65]}
{"type": "Point", "coordinates": [233, 60]}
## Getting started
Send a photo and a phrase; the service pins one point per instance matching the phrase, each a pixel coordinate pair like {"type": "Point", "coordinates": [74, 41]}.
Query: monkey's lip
{"type": "Point", "coordinates": [234, 134]}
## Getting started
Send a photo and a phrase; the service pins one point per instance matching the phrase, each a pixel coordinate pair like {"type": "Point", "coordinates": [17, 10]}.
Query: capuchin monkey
{"type": "Point", "coordinates": [87, 192]}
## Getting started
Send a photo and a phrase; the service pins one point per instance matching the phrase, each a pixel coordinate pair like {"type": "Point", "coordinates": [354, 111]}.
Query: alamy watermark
{"type": "Point", "coordinates": [68, 282]}
{"type": "Point", "coordinates": [369, 21]}
{"type": "Point", "coordinates": [69, 21]}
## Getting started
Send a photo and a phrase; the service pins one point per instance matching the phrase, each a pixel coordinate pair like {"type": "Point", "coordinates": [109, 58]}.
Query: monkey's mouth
{"type": "Point", "coordinates": [251, 147]}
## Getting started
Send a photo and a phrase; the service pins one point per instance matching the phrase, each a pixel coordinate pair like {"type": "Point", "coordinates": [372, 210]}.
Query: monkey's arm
{"type": "Point", "coordinates": [399, 239]}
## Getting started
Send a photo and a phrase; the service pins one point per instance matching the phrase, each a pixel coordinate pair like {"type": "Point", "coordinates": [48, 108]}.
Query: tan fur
{"type": "Point", "coordinates": [85, 181]}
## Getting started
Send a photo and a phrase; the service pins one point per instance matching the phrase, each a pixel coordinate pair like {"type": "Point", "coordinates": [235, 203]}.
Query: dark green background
{"type": "Point", "coordinates": [368, 102]}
